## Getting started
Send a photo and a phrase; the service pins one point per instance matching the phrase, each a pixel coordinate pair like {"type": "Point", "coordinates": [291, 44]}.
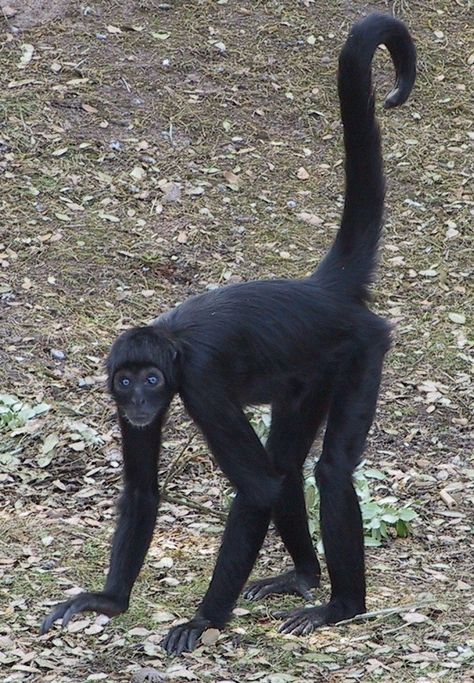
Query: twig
{"type": "Point", "coordinates": [173, 466]}
{"type": "Point", "coordinates": [183, 500]}
{"type": "Point", "coordinates": [384, 612]}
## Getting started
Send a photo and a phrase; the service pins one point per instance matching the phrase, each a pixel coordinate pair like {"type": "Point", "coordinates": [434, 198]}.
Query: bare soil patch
{"type": "Point", "coordinates": [24, 14]}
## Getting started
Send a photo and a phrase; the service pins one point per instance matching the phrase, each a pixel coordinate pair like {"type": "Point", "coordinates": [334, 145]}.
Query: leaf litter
{"type": "Point", "coordinates": [145, 156]}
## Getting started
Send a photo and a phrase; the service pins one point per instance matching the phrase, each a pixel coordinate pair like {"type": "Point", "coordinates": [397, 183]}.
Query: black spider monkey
{"type": "Point", "coordinates": [312, 349]}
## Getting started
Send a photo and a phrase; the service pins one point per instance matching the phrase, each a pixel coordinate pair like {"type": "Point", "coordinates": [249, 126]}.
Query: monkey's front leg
{"type": "Point", "coordinates": [138, 510]}
{"type": "Point", "coordinates": [131, 541]}
{"type": "Point", "coordinates": [245, 462]}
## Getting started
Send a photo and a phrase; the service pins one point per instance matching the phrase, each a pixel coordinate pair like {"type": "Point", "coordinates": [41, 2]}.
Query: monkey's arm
{"type": "Point", "coordinates": [138, 510]}
{"type": "Point", "coordinates": [245, 462]}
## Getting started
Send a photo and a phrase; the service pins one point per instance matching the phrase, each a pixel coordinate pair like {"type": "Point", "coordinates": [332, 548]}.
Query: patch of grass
{"type": "Point", "coordinates": [380, 515]}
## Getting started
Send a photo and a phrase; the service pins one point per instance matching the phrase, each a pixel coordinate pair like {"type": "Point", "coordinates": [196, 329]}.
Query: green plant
{"type": "Point", "coordinates": [381, 517]}
{"type": "Point", "coordinates": [14, 413]}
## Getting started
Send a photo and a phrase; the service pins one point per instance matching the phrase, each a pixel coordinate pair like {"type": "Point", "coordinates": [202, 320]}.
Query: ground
{"type": "Point", "coordinates": [150, 150]}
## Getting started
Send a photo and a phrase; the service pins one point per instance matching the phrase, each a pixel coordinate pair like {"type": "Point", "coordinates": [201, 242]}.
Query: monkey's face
{"type": "Point", "coordinates": [140, 393]}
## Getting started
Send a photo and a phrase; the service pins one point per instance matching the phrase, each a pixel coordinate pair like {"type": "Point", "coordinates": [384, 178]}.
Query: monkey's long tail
{"type": "Point", "coordinates": [351, 261]}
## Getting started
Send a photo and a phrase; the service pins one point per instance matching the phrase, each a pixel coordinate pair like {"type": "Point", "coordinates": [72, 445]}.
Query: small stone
{"type": "Point", "coordinates": [57, 354]}
{"type": "Point", "coordinates": [302, 173]}
{"type": "Point", "coordinates": [171, 192]}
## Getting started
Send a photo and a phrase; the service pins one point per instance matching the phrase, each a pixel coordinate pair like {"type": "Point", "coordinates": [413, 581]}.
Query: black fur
{"type": "Point", "coordinates": [312, 349]}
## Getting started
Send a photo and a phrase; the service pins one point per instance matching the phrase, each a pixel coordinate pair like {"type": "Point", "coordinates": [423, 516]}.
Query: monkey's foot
{"type": "Point", "coordinates": [302, 622]}
{"type": "Point", "coordinates": [184, 637]}
{"type": "Point", "coordinates": [290, 583]}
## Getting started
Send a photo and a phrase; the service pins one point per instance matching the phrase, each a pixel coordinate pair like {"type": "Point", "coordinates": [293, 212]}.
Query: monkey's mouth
{"type": "Point", "coordinates": [141, 420]}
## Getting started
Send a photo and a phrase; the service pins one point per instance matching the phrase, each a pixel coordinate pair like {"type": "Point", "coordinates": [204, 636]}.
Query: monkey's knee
{"type": "Point", "coordinates": [329, 474]}
{"type": "Point", "coordinates": [263, 493]}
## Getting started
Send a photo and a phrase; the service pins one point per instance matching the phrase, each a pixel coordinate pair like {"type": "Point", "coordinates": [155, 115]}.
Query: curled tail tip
{"type": "Point", "coordinates": [377, 21]}
{"type": "Point", "coordinates": [383, 29]}
{"type": "Point", "coordinates": [399, 94]}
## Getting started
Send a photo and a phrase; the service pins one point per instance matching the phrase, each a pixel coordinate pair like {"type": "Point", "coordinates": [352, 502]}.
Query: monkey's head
{"type": "Point", "coordinates": [142, 371]}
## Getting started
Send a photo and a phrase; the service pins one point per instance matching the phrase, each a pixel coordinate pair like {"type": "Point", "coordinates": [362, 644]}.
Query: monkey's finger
{"type": "Point", "coordinates": [250, 593]}
{"type": "Point", "coordinates": [261, 593]}
{"type": "Point", "coordinates": [53, 616]}
{"type": "Point", "coordinates": [165, 642]}
{"type": "Point", "coordinates": [287, 627]}
{"type": "Point", "coordinates": [291, 623]}
{"type": "Point", "coordinates": [193, 638]}
{"type": "Point", "coordinates": [182, 644]}
{"type": "Point", "coordinates": [73, 609]}
{"type": "Point", "coordinates": [307, 595]}
{"type": "Point", "coordinates": [252, 588]}
{"type": "Point", "coordinates": [299, 628]}
{"type": "Point", "coordinates": [285, 614]}
{"type": "Point", "coordinates": [292, 627]}
{"type": "Point", "coordinates": [258, 592]}
{"type": "Point", "coordinates": [47, 623]}
{"type": "Point", "coordinates": [170, 640]}
{"type": "Point", "coordinates": [67, 617]}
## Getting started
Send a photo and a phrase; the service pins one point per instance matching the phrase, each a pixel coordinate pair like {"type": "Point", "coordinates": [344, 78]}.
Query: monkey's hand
{"type": "Point", "coordinates": [84, 602]}
{"type": "Point", "coordinates": [184, 637]}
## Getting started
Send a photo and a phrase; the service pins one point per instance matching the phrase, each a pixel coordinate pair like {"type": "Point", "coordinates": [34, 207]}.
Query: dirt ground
{"type": "Point", "coordinates": [149, 150]}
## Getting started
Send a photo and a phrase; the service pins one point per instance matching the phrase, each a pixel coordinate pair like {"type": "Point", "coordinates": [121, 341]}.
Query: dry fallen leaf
{"type": "Point", "coordinates": [162, 616]}
{"type": "Point", "coordinates": [458, 318]}
{"type": "Point", "coordinates": [109, 217]}
{"type": "Point", "coordinates": [302, 173]}
{"type": "Point", "coordinates": [138, 173]}
{"type": "Point", "coordinates": [9, 11]}
{"type": "Point", "coordinates": [76, 626]}
{"type": "Point", "coordinates": [210, 636]}
{"type": "Point", "coordinates": [26, 56]}
{"type": "Point", "coordinates": [89, 108]}
{"type": "Point", "coordinates": [310, 218]}
{"type": "Point", "coordinates": [148, 675]}
{"type": "Point", "coordinates": [414, 618]}
{"type": "Point", "coordinates": [232, 179]}
{"type": "Point", "coordinates": [171, 192]}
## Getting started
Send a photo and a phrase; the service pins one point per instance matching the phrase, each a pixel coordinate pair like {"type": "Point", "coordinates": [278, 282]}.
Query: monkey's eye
{"type": "Point", "coordinates": [152, 379]}
{"type": "Point", "coordinates": [125, 382]}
